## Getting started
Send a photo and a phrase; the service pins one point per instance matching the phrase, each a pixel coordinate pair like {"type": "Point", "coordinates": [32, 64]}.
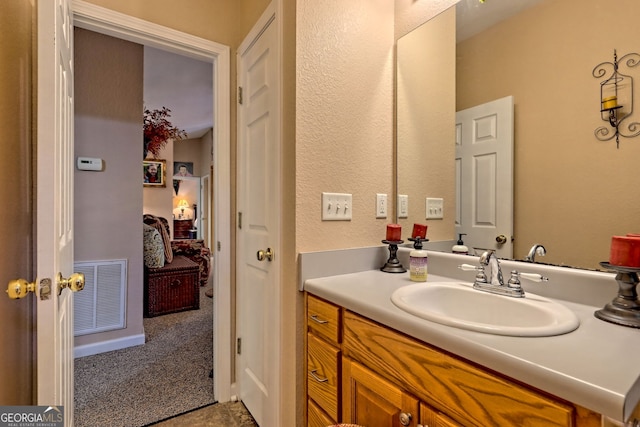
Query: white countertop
{"type": "Point", "coordinates": [596, 366]}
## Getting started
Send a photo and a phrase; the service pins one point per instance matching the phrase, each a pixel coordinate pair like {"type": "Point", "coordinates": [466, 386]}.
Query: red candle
{"type": "Point", "coordinates": [625, 251]}
{"type": "Point", "coordinates": [394, 232]}
{"type": "Point", "coordinates": [419, 230]}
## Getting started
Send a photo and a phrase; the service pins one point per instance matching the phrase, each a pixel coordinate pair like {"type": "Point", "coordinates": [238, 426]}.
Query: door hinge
{"type": "Point", "coordinates": [239, 346]}
{"type": "Point", "coordinates": [240, 220]}
{"type": "Point", "coordinates": [219, 246]}
{"type": "Point", "coordinates": [240, 95]}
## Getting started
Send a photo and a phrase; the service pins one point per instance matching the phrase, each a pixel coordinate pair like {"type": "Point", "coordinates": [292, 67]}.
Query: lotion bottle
{"type": "Point", "coordinates": [460, 248]}
{"type": "Point", "coordinates": [418, 265]}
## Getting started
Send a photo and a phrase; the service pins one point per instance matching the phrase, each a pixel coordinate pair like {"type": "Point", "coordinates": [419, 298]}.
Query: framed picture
{"type": "Point", "coordinates": [182, 169]}
{"type": "Point", "coordinates": [154, 173]}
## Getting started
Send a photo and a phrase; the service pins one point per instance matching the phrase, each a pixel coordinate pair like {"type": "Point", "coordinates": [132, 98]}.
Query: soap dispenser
{"type": "Point", "coordinates": [460, 248]}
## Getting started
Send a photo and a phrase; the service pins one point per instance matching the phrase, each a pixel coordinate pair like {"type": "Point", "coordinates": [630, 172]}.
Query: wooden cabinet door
{"type": "Point", "coordinates": [371, 401]}
{"type": "Point", "coordinates": [316, 417]}
{"type": "Point", "coordinates": [429, 417]}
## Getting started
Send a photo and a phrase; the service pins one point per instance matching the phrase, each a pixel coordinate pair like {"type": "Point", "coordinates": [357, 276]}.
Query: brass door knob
{"type": "Point", "coordinates": [501, 239]}
{"type": "Point", "coordinates": [262, 255]}
{"type": "Point", "coordinates": [75, 282]}
{"type": "Point", "coordinates": [19, 288]}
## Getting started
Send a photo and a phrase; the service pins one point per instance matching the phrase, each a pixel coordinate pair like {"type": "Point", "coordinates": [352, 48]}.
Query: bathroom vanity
{"type": "Point", "coordinates": [370, 363]}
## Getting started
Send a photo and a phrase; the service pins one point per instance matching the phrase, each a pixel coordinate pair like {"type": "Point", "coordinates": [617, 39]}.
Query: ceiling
{"type": "Point", "coordinates": [473, 17]}
{"type": "Point", "coordinates": [182, 84]}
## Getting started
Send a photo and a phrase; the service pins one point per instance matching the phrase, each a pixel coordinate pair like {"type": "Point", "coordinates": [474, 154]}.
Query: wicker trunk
{"type": "Point", "coordinates": [172, 288]}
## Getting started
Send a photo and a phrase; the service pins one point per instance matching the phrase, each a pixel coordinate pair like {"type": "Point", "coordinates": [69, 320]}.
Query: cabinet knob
{"type": "Point", "coordinates": [405, 418]}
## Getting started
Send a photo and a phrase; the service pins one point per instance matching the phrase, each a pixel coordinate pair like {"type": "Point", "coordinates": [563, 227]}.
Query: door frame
{"type": "Point", "coordinates": [109, 22]}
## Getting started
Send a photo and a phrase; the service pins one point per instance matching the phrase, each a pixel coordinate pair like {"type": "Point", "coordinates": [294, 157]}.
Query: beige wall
{"type": "Point", "coordinates": [16, 65]}
{"type": "Point", "coordinates": [344, 118]}
{"type": "Point", "coordinates": [572, 192]}
{"type": "Point", "coordinates": [108, 205]}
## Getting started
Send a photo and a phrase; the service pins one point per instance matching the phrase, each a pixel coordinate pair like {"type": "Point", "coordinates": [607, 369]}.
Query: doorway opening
{"type": "Point", "coordinates": [100, 20]}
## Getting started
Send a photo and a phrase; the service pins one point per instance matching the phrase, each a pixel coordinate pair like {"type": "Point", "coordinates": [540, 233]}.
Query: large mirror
{"type": "Point", "coordinates": [571, 191]}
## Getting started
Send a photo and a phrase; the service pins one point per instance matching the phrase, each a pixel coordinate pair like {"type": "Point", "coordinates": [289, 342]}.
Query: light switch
{"type": "Point", "coordinates": [434, 208]}
{"type": "Point", "coordinates": [336, 207]}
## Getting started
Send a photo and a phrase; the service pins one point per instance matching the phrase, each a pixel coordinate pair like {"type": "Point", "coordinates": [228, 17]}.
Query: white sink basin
{"type": "Point", "coordinates": [459, 305]}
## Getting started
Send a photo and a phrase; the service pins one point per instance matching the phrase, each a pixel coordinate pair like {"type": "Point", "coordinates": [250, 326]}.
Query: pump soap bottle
{"type": "Point", "coordinates": [460, 248]}
{"type": "Point", "coordinates": [418, 265]}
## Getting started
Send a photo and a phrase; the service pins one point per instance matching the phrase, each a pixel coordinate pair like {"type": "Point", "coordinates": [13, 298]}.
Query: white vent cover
{"type": "Point", "coordinates": [100, 306]}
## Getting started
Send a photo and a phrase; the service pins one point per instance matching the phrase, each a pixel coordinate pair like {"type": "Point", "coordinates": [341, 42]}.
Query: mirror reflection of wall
{"type": "Point", "coordinates": [426, 122]}
{"type": "Point", "coordinates": [572, 192]}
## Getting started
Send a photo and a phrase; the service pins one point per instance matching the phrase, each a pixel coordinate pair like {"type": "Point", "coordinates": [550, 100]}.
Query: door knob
{"type": "Point", "coordinates": [19, 288]}
{"type": "Point", "coordinates": [501, 239]}
{"type": "Point", "coordinates": [75, 282]}
{"type": "Point", "coordinates": [262, 255]}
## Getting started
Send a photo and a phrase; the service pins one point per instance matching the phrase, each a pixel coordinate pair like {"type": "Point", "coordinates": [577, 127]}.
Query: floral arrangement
{"type": "Point", "coordinates": [158, 130]}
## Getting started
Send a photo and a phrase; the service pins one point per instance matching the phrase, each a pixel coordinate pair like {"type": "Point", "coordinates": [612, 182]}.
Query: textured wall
{"type": "Point", "coordinates": [344, 118]}
{"type": "Point", "coordinates": [108, 205]}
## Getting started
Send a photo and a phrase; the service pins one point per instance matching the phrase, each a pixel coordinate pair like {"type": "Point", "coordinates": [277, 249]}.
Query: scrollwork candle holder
{"type": "Point", "coordinates": [393, 265]}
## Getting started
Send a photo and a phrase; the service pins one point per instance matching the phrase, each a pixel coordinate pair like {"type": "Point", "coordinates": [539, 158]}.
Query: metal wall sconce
{"type": "Point", "coordinates": [616, 98]}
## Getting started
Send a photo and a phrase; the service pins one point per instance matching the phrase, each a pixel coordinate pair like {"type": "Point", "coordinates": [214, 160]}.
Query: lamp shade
{"type": "Point", "coordinates": [183, 204]}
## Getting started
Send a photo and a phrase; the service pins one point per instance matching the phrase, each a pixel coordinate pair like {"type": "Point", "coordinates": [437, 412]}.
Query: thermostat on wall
{"type": "Point", "coordinates": [89, 164]}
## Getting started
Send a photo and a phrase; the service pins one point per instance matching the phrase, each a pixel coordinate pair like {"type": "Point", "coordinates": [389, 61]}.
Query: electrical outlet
{"type": "Point", "coordinates": [381, 205]}
{"type": "Point", "coordinates": [403, 206]}
{"type": "Point", "coordinates": [336, 207]}
{"type": "Point", "coordinates": [434, 208]}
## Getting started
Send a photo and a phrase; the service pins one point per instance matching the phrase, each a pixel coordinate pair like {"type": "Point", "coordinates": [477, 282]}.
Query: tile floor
{"type": "Point", "coordinates": [230, 414]}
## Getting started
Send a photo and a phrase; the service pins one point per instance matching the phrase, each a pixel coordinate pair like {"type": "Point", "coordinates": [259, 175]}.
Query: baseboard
{"type": "Point", "coordinates": [110, 345]}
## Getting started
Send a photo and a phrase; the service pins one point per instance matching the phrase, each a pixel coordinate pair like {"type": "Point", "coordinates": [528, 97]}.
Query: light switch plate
{"type": "Point", "coordinates": [381, 205]}
{"type": "Point", "coordinates": [336, 207]}
{"type": "Point", "coordinates": [403, 206]}
{"type": "Point", "coordinates": [434, 208]}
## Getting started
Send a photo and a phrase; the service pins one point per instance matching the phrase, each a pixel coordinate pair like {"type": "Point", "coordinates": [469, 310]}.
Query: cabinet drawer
{"type": "Point", "coordinates": [323, 319]}
{"type": "Point", "coordinates": [323, 375]}
{"type": "Point", "coordinates": [316, 416]}
{"type": "Point", "coordinates": [468, 394]}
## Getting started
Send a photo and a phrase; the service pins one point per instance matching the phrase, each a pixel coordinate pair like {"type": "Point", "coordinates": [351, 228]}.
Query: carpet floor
{"type": "Point", "coordinates": [140, 385]}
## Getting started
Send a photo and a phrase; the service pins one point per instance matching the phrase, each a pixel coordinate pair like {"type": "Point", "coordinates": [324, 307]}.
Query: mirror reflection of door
{"type": "Point", "coordinates": [484, 176]}
{"type": "Point", "coordinates": [186, 207]}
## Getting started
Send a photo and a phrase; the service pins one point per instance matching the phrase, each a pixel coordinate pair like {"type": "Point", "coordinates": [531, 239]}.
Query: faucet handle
{"type": "Point", "coordinates": [514, 281]}
{"type": "Point", "coordinates": [469, 267]}
{"type": "Point", "coordinates": [480, 277]}
{"type": "Point", "coordinates": [534, 277]}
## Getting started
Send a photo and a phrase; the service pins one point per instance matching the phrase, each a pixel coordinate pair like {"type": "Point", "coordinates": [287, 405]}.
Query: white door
{"type": "Point", "coordinates": [55, 204]}
{"type": "Point", "coordinates": [484, 176]}
{"type": "Point", "coordinates": [258, 292]}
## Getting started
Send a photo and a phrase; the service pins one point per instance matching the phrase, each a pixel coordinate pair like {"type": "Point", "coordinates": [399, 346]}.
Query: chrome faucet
{"type": "Point", "coordinates": [491, 266]}
{"type": "Point", "coordinates": [489, 277]}
{"type": "Point", "coordinates": [536, 249]}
